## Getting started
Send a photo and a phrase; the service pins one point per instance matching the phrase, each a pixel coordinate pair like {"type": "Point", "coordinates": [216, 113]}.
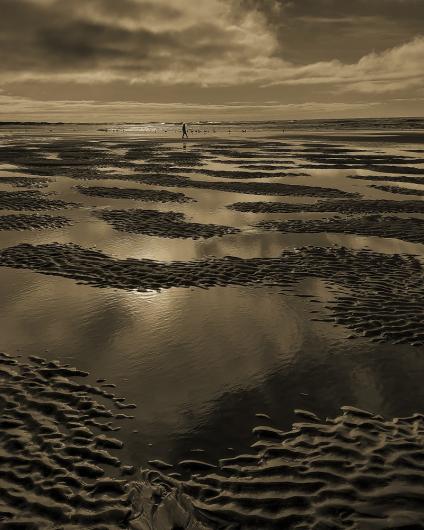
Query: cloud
{"type": "Point", "coordinates": [226, 49]}
{"type": "Point", "coordinates": [395, 69]}
{"type": "Point", "coordinates": [205, 43]}
{"type": "Point", "coordinates": [137, 41]}
{"type": "Point", "coordinates": [310, 31]}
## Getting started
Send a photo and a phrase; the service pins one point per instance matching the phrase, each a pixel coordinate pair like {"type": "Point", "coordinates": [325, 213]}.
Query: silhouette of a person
{"type": "Point", "coordinates": [185, 135]}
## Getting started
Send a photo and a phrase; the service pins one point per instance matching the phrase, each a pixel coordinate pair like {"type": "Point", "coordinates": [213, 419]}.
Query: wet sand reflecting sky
{"type": "Point", "coordinates": [196, 361]}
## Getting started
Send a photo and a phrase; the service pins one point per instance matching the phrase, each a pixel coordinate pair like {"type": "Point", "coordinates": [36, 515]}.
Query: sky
{"type": "Point", "coordinates": [163, 60]}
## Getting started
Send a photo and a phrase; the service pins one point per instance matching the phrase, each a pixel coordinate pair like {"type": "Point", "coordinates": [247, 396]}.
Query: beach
{"type": "Point", "coordinates": [221, 332]}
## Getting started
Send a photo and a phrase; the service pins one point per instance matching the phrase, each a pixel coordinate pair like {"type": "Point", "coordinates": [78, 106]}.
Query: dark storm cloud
{"type": "Point", "coordinates": [62, 36]}
{"type": "Point", "coordinates": [322, 30]}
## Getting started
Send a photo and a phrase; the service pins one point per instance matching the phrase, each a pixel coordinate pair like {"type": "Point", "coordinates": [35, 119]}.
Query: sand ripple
{"type": "Point", "coordinates": [411, 229]}
{"type": "Point", "coordinates": [32, 222]}
{"type": "Point", "coordinates": [251, 188]}
{"type": "Point", "coordinates": [389, 178]}
{"type": "Point", "coordinates": [398, 189]}
{"type": "Point", "coordinates": [356, 471]}
{"type": "Point", "coordinates": [30, 200]}
{"type": "Point", "coordinates": [26, 182]}
{"type": "Point", "coordinates": [57, 455]}
{"type": "Point", "coordinates": [55, 447]}
{"type": "Point", "coordinates": [135, 194]}
{"type": "Point", "coordinates": [340, 206]}
{"type": "Point", "coordinates": [162, 224]}
{"type": "Point", "coordinates": [377, 295]}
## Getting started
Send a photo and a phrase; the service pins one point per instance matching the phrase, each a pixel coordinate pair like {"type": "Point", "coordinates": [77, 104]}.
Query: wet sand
{"type": "Point", "coordinates": [29, 200]}
{"type": "Point", "coordinates": [346, 207]}
{"type": "Point", "coordinates": [56, 445]}
{"type": "Point", "coordinates": [408, 229]}
{"type": "Point", "coordinates": [135, 194]}
{"type": "Point", "coordinates": [65, 432]}
{"type": "Point", "coordinates": [377, 295]}
{"type": "Point", "coordinates": [391, 178]}
{"type": "Point", "coordinates": [59, 449]}
{"type": "Point", "coordinates": [398, 189]}
{"type": "Point", "coordinates": [357, 470]}
{"type": "Point", "coordinates": [26, 182]}
{"type": "Point", "coordinates": [164, 224]}
{"type": "Point", "coordinates": [254, 188]}
{"type": "Point", "coordinates": [32, 222]}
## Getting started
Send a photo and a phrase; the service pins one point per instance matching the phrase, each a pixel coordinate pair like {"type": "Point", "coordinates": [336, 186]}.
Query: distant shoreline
{"type": "Point", "coordinates": [288, 122]}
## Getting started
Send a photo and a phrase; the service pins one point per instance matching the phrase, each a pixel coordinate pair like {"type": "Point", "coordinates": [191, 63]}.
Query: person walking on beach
{"type": "Point", "coordinates": [185, 135]}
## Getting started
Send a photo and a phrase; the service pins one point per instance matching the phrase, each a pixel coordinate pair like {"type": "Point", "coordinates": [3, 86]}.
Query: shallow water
{"type": "Point", "coordinates": [200, 362]}
{"type": "Point", "coordinates": [196, 360]}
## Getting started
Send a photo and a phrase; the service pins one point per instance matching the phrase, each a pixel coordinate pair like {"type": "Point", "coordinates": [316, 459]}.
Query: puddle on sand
{"type": "Point", "coordinates": [196, 360]}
